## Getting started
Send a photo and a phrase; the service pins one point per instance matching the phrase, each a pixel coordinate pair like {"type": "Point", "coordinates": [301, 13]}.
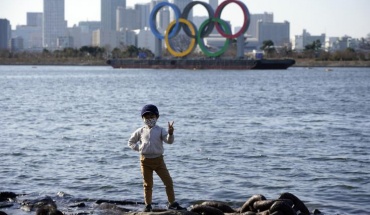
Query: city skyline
{"type": "Point", "coordinates": [331, 17]}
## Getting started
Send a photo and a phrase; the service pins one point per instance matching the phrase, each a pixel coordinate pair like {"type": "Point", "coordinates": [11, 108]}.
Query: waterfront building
{"type": "Point", "coordinates": [5, 34]}
{"type": "Point", "coordinates": [163, 16]}
{"type": "Point", "coordinates": [274, 31]}
{"type": "Point", "coordinates": [125, 20]}
{"type": "Point", "coordinates": [109, 13]}
{"type": "Point", "coordinates": [142, 15]}
{"type": "Point", "coordinates": [145, 39]}
{"type": "Point", "coordinates": [214, 4]}
{"type": "Point", "coordinates": [65, 42]}
{"type": "Point", "coordinates": [34, 19]}
{"type": "Point", "coordinates": [54, 24]}
{"type": "Point", "coordinates": [252, 31]}
{"type": "Point", "coordinates": [306, 39]}
{"type": "Point", "coordinates": [181, 4]}
{"type": "Point", "coordinates": [108, 39]}
{"type": "Point", "coordinates": [32, 36]}
{"type": "Point", "coordinates": [86, 29]}
{"type": "Point", "coordinates": [17, 44]}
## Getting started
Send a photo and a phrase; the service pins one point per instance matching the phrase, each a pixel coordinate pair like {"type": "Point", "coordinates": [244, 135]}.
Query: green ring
{"type": "Point", "coordinates": [225, 26]}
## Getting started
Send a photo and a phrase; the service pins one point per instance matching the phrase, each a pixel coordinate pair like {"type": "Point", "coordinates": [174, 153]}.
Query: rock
{"type": "Point", "coordinates": [206, 210]}
{"type": "Point", "coordinates": [219, 205]}
{"type": "Point", "coordinates": [248, 205]}
{"type": "Point", "coordinates": [5, 196]}
{"type": "Point", "coordinates": [30, 205]}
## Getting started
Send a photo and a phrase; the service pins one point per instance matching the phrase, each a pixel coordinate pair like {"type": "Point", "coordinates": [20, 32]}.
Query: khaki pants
{"type": "Point", "coordinates": [148, 165]}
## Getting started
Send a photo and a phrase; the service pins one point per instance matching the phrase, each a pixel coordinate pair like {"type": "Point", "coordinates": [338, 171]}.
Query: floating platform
{"type": "Point", "coordinates": [220, 64]}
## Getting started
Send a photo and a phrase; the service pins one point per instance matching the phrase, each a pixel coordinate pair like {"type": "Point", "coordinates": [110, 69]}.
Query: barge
{"type": "Point", "coordinates": [204, 63]}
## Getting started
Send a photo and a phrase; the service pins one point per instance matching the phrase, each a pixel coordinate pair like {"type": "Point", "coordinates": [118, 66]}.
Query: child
{"type": "Point", "coordinates": [151, 138]}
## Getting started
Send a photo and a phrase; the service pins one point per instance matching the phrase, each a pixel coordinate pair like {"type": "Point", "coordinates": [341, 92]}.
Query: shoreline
{"type": "Point", "coordinates": [84, 62]}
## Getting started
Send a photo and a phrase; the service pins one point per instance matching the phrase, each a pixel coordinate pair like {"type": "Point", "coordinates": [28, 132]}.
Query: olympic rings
{"type": "Point", "coordinates": [205, 29]}
{"type": "Point", "coordinates": [246, 23]}
{"type": "Point", "coordinates": [211, 13]}
{"type": "Point", "coordinates": [192, 44]}
{"type": "Point", "coordinates": [225, 25]}
{"type": "Point", "coordinates": [152, 20]}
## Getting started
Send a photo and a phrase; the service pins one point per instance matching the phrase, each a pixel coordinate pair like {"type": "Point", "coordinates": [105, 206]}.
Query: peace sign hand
{"type": "Point", "coordinates": [170, 128]}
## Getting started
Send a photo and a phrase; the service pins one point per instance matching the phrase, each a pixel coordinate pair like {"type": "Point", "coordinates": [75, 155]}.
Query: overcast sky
{"type": "Point", "coordinates": [333, 17]}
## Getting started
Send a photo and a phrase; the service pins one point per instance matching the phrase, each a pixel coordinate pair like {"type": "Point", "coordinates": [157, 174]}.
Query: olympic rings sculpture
{"type": "Point", "coordinates": [197, 35]}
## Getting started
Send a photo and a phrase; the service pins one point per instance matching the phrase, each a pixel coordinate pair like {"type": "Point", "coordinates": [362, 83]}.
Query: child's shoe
{"type": "Point", "coordinates": [148, 208]}
{"type": "Point", "coordinates": [175, 206]}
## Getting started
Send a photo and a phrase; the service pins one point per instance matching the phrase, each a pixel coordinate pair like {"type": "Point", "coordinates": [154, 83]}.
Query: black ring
{"type": "Point", "coordinates": [211, 13]}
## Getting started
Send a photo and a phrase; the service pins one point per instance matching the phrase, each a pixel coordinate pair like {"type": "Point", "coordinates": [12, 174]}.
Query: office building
{"type": "Point", "coordinates": [32, 36]}
{"type": "Point", "coordinates": [125, 20]}
{"type": "Point", "coordinates": [181, 4]}
{"type": "Point", "coordinates": [252, 31]}
{"type": "Point", "coordinates": [276, 32]}
{"type": "Point", "coordinates": [109, 13]}
{"type": "Point", "coordinates": [54, 24]}
{"type": "Point", "coordinates": [34, 19]}
{"type": "Point", "coordinates": [17, 44]}
{"type": "Point", "coordinates": [214, 4]}
{"type": "Point", "coordinates": [86, 30]}
{"type": "Point", "coordinates": [5, 34]}
{"type": "Point", "coordinates": [306, 39]}
{"type": "Point", "coordinates": [142, 15]}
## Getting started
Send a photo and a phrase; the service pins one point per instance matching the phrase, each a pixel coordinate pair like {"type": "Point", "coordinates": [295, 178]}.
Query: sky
{"type": "Point", "coordinates": [335, 18]}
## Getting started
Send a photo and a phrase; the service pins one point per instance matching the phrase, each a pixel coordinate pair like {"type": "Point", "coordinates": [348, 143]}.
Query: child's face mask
{"type": "Point", "coordinates": [150, 121]}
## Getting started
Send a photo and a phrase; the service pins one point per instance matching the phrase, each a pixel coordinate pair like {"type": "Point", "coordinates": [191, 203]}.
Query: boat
{"type": "Point", "coordinates": [202, 63]}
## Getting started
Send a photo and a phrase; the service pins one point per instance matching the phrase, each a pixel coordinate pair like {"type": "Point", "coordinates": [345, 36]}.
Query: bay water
{"type": "Point", "coordinates": [237, 133]}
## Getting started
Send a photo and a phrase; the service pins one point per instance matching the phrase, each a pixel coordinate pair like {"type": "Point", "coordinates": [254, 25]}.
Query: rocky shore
{"type": "Point", "coordinates": [10, 203]}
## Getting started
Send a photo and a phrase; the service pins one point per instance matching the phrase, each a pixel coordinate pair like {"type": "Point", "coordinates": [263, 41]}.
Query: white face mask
{"type": "Point", "coordinates": [150, 122]}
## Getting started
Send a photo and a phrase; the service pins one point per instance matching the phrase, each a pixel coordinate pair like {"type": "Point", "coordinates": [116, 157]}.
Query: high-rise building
{"type": "Point", "coordinates": [163, 16]}
{"type": "Point", "coordinates": [125, 19]}
{"type": "Point", "coordinates": [214, 4]}
{"type": "Point", "coordinates": [109, 13]}
{"type": "Point", "coordinates": [5, 34]}
{"type": "Point", "coordinates": [255, 19]}
{"type": "Point", "coordinates": [276, 32]}
{"type": "Point", "coordinates": [181, 4]}
{"type": "Point", "coordinates": [34, 19]}
{"type": "Point", "coordinates": [142, 12]}
{"type": "Point", "coordinates": [306, 38]}
{"type": "Point", "coordinates": [54, 24]}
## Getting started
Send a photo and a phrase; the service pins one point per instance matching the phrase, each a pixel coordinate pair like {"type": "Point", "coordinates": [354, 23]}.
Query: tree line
{"type": "Point", "coordinates": [315, 51]}
{"type": "Point", "coordinates": [311, 51]}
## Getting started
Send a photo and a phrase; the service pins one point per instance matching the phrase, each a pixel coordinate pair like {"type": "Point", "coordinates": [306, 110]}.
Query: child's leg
{"type": "Point", "coordinates": [167, 180]}
{"type": "Point", "coordinates": [147, 173]}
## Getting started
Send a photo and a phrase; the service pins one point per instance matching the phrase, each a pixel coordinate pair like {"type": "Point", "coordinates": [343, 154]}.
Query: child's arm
{"type": "Point", "coordinates": [168, 136]}
{"type": "Point", "coordinates": [132, 142]}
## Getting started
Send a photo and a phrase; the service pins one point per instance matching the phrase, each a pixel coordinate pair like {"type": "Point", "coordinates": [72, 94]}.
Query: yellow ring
{"type": "Point", "coordinates": [192, 42]}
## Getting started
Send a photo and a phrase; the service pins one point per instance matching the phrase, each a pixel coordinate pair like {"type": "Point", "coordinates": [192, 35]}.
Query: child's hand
{"type": "Point", "coordinates": [170, 128]}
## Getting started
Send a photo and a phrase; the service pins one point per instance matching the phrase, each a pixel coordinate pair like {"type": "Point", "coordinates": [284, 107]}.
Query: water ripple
{"type": "Point", "coordinates": [237, 134]}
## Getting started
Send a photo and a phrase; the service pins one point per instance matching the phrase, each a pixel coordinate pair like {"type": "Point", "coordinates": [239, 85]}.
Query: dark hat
{"type": "Point", "coordinates": [149, 109]}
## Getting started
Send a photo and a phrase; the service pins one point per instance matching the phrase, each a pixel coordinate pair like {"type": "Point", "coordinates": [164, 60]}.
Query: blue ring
{"type": "Point", "coordinates": [153, 16]}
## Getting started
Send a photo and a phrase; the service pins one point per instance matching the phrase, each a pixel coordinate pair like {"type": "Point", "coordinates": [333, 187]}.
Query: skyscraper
{"type": "Point", "coordinates": [255, 19]}
{"type": "Point", "coordinates": [5, 34]}
{"type": "Point", "coordinates": [214, 4]}
{"type": "Point", "coordinates": [109, 13]}
{"type": "Point", "coordinates": [277, 32]}
{"type": "Point", "coordinates": [181, 4]}
{"type": "Point", "coordinates": [54, 24]}
{"type": "Point", "coordinates": [34, 19]}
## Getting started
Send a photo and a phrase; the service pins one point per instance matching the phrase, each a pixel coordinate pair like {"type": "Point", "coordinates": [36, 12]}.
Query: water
{"type": "Point", "coordinates": [237, 133]}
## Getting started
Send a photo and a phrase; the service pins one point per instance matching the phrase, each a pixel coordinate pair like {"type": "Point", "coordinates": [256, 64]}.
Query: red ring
{"type": "Point", "coordinates": [246, 19]}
